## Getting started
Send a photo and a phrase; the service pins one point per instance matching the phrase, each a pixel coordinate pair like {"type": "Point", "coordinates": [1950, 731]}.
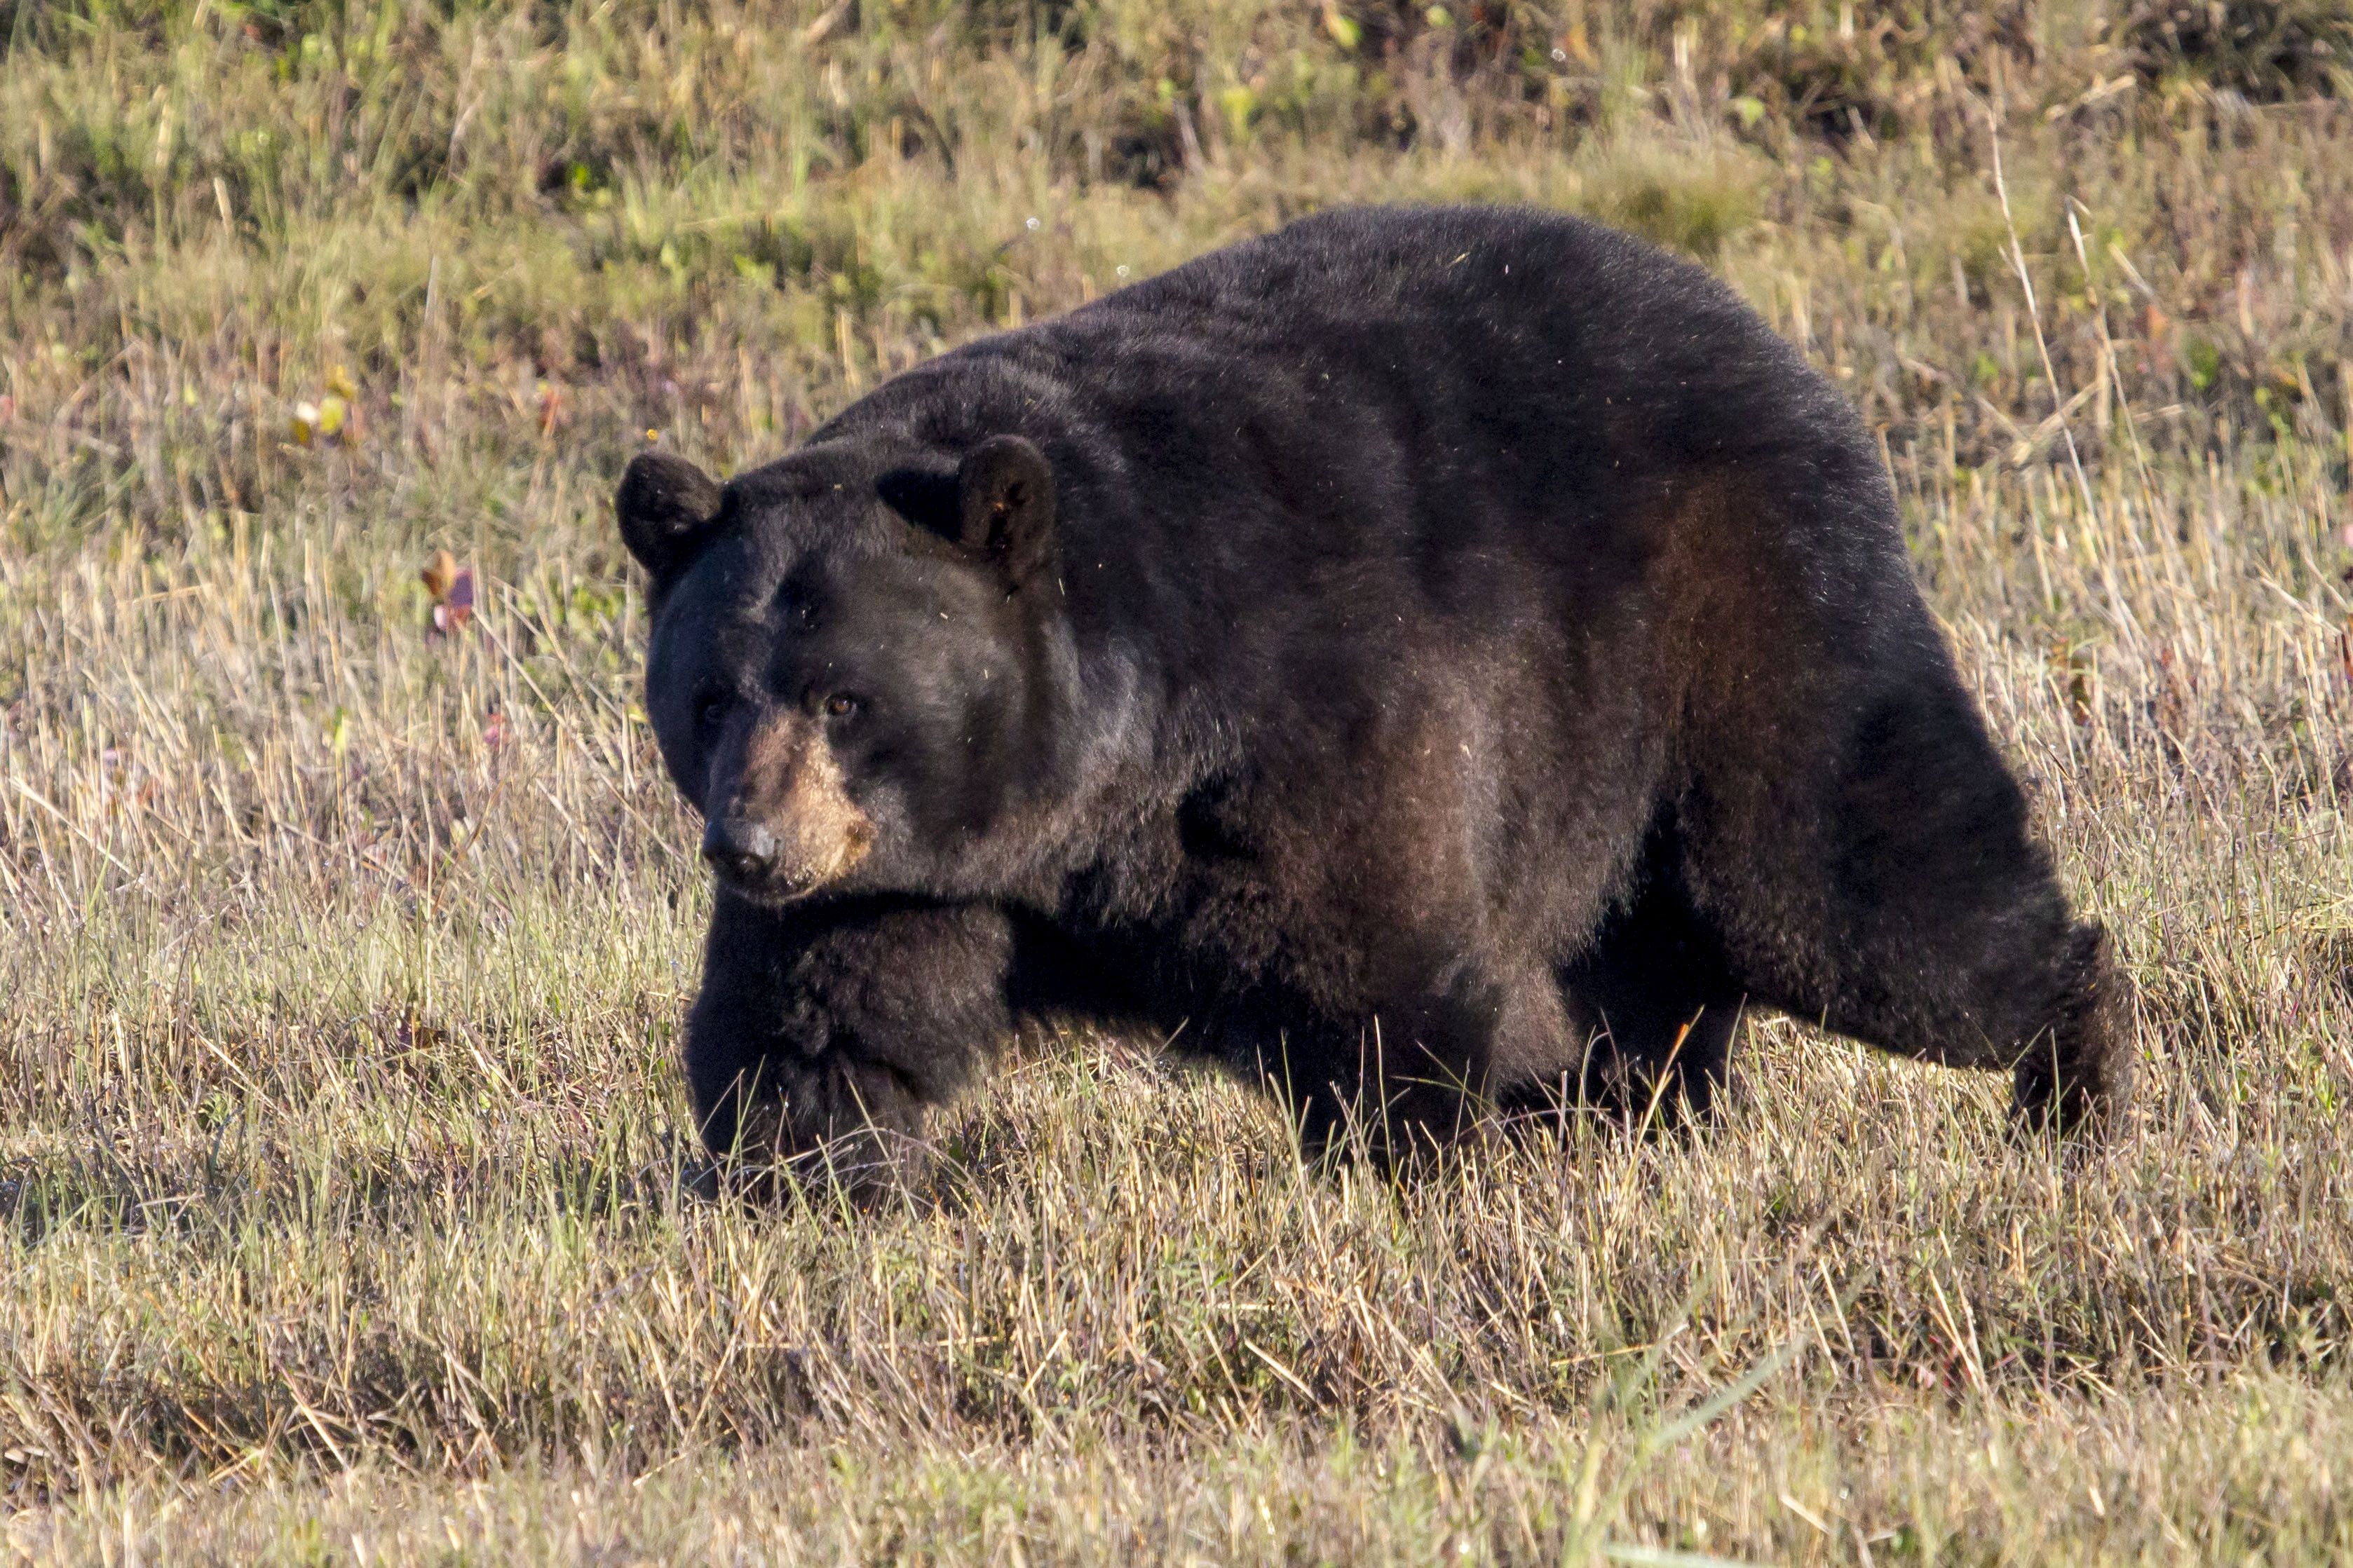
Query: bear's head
{"type": "Point", "coordinates": [852, 672]}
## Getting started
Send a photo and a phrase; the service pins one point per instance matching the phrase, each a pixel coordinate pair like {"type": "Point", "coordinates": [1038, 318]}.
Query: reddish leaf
{"type": "Point", "coordinates": [452, 587]}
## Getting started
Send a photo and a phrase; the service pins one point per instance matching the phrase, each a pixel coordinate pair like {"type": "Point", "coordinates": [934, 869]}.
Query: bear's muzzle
{"type": "Point", "coordinates": [783, 824]}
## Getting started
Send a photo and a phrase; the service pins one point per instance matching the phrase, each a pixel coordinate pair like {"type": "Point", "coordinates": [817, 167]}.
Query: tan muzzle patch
{"type": "Point", "coordinates": [792, 785]}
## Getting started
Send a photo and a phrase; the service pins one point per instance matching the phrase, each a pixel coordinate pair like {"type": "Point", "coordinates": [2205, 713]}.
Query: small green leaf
{"type": "Point", "coordinates": [1240, 105]}
{"type": "Point", "coordinates": [2203, 360]}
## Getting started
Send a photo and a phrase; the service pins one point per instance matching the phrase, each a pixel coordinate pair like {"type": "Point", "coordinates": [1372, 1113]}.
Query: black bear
{"type": "Point", "coordinates": [1439, 661]}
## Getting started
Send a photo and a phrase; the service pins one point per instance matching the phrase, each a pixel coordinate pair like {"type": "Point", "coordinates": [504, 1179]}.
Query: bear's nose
{"type": "Point", "coordinates": [743, 851]}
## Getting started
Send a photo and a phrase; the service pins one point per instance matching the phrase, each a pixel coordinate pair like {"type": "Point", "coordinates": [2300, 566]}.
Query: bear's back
{"type": "Point", "coordinates": [1504, 305]}
{"type": "Point", "coordinates": [1455, 422]}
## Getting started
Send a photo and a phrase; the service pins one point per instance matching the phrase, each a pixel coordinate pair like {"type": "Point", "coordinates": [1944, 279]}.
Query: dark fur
{"type": "Point", "coordinates": [1433, 659]}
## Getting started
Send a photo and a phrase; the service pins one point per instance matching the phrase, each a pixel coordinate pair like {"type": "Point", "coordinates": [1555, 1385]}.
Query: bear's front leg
{"type": "Point", "coordinates": [1412, 1078]}
{"type": "Point", "coordinates": [824, 1031]}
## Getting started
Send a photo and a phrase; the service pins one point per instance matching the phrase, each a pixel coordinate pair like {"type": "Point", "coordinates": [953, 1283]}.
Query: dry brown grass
{"type": "Point", "coordinates": [340, 1148]}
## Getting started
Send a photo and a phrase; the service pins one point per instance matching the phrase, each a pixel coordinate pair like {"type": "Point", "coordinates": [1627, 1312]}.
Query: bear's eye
{"type": "Point", "coordinates": [840, 705]}
{"type": "Point", "coordinates": [710, 707]}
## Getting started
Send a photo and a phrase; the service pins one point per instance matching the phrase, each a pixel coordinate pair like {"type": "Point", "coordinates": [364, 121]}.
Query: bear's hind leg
{"type": "Point", "coordinates": [1896, 897]}
{"type": "Point", "coordinates": [2080, 1065]}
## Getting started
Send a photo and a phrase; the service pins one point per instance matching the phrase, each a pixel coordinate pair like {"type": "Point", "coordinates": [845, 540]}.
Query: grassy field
{"type": "Point", "coordinates": [342, 1154]}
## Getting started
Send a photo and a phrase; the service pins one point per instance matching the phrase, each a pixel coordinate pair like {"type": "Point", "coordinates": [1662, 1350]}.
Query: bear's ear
{"type": "Point", "coordinates": [1005, 508]}
{"type": "Point", "coordinates": [663, 503]}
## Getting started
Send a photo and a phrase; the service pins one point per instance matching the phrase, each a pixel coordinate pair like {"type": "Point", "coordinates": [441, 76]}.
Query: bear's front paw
{"type": "Point", "coordinates": [840, 1122]}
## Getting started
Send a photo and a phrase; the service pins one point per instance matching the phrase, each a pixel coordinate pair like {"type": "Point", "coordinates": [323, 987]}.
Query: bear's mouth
{"type": "Point", "coordinates": [777, 887]}
{"type": "Point", "coordinates": [768, 892]}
